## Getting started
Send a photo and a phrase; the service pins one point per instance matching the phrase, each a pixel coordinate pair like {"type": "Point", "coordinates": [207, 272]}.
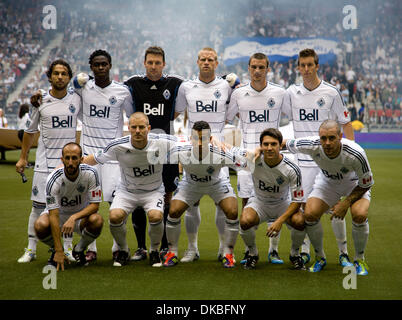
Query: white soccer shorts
{"type": "Point", "coordinates": [245, 185]}
{"type": "Point", "coordinates": [128, 201]}
{"type": "Point", "coordinates": [63, 218]}
{"type": "Point", "coordinates": [309, 175]}
{"type": "Point", "coordinates": [109, 175]}
{"type": "Point", "coordinates": [266, 211]}
{"type": "Point", "coordinates": [189, 194]}
{"type": "Point", "coordinates": [38, 192]}
{"type": "Point", "coordinates": [331, 193]}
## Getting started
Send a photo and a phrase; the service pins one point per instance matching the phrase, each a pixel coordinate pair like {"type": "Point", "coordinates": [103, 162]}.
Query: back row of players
{"type": "Point", "coordinates": [100, 102]}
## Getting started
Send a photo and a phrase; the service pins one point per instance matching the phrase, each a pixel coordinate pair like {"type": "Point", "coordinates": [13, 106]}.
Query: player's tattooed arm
{"type": "Point", "coordinates": [341, 208]}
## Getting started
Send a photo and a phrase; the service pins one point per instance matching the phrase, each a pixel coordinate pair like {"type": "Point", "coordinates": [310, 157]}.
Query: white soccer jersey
{"type": "Point", "coordinates": [351, 161]}
{"type": "Point", "coordinates": [141, 169]}
{"type": "Point", "coordinates": [205, 172]}
{"type": "Point", "coordinates": [272, 185]}
{"type": "Point", "coordinates": [258, 110]}
{"type": "Point", "coordinates": [72, 196]}
{"type": "Point", "coordinates": [57, 121]}
{"type": "Point", "coordinates": [308, 109]}
{"type": "Point", "coordinates": [102, 114]}
{"type": "Point", "coordinates": [205, 101]}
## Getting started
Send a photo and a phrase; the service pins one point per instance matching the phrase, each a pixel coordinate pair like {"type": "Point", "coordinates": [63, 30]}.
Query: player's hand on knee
{"type": "Point", "coordinates": [274, 229]}
{"type": "Point", "coordinates": [339, 210]}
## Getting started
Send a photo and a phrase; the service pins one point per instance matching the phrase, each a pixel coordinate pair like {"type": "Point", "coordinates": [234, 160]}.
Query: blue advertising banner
{"type": "Point", "coordinates": [278, 49]}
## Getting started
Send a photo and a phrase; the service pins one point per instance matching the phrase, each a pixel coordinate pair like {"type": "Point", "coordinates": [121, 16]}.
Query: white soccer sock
{"type": "Point", "coordinates": [173, 229]}
{"type": "Point", "coordinates": [316, 235]}
{"type": "Point", "coordinates": [248, 237]}
{"type": "Point", "coordinates": [360, 234]}
{"type": "Point", "coordinates": [220, 219]}
{"type": "Point", "coordinates": [119, 232]}
{"type": "Point", "coordinates": [305, 247]}
{"type": "Point", "coordinates": [192, 220]}
{"type": "Point", "coordinates": [86, 239]}
{"type": "Point", "coordinates": [297, 237]}
{"type": "Point", "coordinates": [92, 246]}
{"type": "Point", "coordinates": [339, 227]}
{"type": "Point", "coordinates": [231, 232]}
{"type": "Point", "coordinates": [67, 242]}
{"type": "Point", "coordinates": [32, 238]}
{"type": "Point", "coordinates": [155, 232]}
{"type": "Point", "coordinates": [274, 241]}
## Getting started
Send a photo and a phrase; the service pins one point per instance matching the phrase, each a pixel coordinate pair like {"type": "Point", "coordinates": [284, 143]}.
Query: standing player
{"type": "Point", "coordinates": [278, 195]}
{"type": "Point", "coordinates": [344, 172]}
{"type": "Point", "coordinates": [310, 104]}
{"type": "Point", "coordinates": [56, 119]}
{"type": "Point", "coordinates": [140, 156]}
{"type": "Point", "coordinates": [202, 164]}
{"type": "Point", "coordinates": [205, 98]}
{"type": "Point", "coordinates": [154, 94]}
{"type": "Point", "coordinates": [73, 195]}
{"type": "Point", "coordinates": [258, 105]}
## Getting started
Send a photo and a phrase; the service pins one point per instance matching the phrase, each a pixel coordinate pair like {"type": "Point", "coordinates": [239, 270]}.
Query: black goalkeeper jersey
{"type": "Point", "coordinates": [156, 99]}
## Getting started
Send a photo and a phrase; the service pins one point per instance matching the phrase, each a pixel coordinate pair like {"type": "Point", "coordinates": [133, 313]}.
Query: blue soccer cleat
{"type": "Point", "coordinates": [361, 267]}
{"type": "Point", "coordinates": [318, 265]}
{"type": "Point", "coordinates": [273, 257]}
{"type": "Point", "coordinates": [344, 260]}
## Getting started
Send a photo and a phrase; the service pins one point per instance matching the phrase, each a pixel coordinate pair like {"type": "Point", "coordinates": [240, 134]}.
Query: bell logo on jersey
{"type": "Point", "coordinates": [262, 186]}
{"type": "Point", "coordinates": [100, 113]}
{"type": "Point", "coordinates": [337, 176]}
{"type": "Point", "coordinates": [157, 111]}
{"type": "Point", "coordinates": [144, 173]}
{"type": "Point", "coordinates": [202, 179]}
{"type": "Point", "coordinates": [261, 117]}
{"type": "Point", "coordinates": [200, 107]}
{"type": "Point", "coordinates": [307, 116]}
{"type": "Point", "coordinates": [65, 202]}
{"type": "Point", "coordinates": [58, 122]}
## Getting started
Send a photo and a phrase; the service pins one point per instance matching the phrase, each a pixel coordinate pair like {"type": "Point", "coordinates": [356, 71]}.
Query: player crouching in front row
{"type": "Point", "coordinates": [73, 195]}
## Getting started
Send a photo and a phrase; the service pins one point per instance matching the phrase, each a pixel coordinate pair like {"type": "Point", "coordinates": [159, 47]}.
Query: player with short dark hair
{"type": "Point", "coordinates": [73, 195]}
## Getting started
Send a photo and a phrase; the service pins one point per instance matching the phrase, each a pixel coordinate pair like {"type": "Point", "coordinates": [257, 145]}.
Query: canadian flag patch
{"type": "Point", "coordinates": [297, 194]}
{"type": "Point", "coordinates": [96, 194]}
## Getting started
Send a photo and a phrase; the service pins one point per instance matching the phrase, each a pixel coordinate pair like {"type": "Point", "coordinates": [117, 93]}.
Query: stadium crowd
{"type": "Point", "coordinates": [367, 72]}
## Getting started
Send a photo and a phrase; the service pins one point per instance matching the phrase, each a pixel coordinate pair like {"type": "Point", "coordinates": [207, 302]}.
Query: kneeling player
{"type": "Point", "coordinates": [72, 201]}
{"type": "Point", "coordinates": [202, 164]}
{"type": "Point", "coordinates": [273, 176]}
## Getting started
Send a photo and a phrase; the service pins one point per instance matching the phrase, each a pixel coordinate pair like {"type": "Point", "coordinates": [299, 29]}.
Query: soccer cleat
{"type": "Point", "coordinates": [162, 253]}
{"type": "Point", "coordinates": [170, 259]}
{"type": "Point", "coordinates": [298, 262]}
{"type": "Point", "coordinates": [190, 256]}
{"type": "Point", "coordinates": [69, 254]}
{"type": "Point", "coordinates": [344, 260]}
{"type": "Point", "coordinates": [246, 255]}
{"type": "Point", "coordinates": [79, 257]}
{"type": "Point", "coordinates": [28, 256]}
{"type": "Point", "coordinates": [273, 257]}
{"type": "Point", "coordinates": [121, 259]}
{"type": "Point", "coordinates": [90, 256]}
{"type": "Point", "coordinates": [318, 265]}
{"type": "Point", "coordinates": [115, 254]}
{"type": "Point", "coordinates": [306, 257]}
{"type": "Point", "coordinates": [155, 259]}
{"type": "Point", "coordinates": [251, 262]}
{"type": "Point", "coordinates": [228, 261]}
{"type": "Point", "coordinates": [51, 261]}
{"type": "Point", "coordinates": [361, 267]}
{"type": "Point", "coordinates": [139, 254]}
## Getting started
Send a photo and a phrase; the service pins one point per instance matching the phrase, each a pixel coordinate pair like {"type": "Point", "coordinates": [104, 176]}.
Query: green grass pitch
{"type": "Point", "coordinates": [206, 278]}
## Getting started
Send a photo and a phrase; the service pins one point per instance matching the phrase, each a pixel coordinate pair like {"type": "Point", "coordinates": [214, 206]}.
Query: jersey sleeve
{"type": "Point", "coordinates": [128, 104]}
{"type": "Point", "coordinates": [107, 154]}
{"type": "Point", "coordinates": [94, 187]}
{"type": "Point", "coordinates": [305, 145]}
{"type": "Point", "coordinates": [286, 106]}
{"type": "Point", "coordinates": [52, 191]}
{"type": "Point", "coordinates": [34, 116]}
{"type": "Point", "coordinates": [339, 109]}
{"type": "Point", "coordinates": [362, 168]}
{"type": "Point", "coordinates": [181, 101]}
{"type": "Point", "coordinates": [295, 183]}
{"type": "Point", "coordinates": [233, 108]}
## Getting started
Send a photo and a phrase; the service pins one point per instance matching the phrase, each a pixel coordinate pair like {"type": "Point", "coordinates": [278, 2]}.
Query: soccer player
{"type": "Point", "coordinates": [205, 98]}
{"type": "Point", "coordinates": [277, 197]}
{"type": "Point", "coordinates": [56, 119]}
{"type": "Point", "coordinates": [73, 195]}
{"type": "Point", "coordinates": [202, 164]}
{"type": "Point", "coordinates": [309, 105]}
{"type": "Point", "coordinates": [155, 94]}
{"type": "Point", "coordinates": [141, 156]}
{"type": "Point", "coordinates": [344, 172]}
{"type": "Point", "coordinates": [258, 106]}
